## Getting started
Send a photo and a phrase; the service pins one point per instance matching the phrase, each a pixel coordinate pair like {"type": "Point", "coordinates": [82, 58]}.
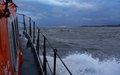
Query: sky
{"type": "Point", "coordinates": [71, 12]}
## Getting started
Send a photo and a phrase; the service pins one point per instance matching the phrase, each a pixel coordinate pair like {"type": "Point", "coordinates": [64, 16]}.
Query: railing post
{"type": "Point", "coordinates": [24, 23]}
{"type": "Point", "coordinates": [30, 30]}
{"type": "Point", "coordinates": [54, 65]}
{"type": "Point", "coordinates": [44, 57]}
{"type": "Point", "coordinates": [37, 46]}
{"type": "Point", "coordinates": [33, 32]}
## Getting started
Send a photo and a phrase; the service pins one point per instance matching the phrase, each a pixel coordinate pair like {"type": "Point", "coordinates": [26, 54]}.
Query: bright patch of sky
{"type": "Point", "coordinates": [68, 3]}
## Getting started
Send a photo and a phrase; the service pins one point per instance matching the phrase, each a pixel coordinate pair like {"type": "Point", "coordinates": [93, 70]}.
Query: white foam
{"type": "Point", "coordinates": [84, 64]}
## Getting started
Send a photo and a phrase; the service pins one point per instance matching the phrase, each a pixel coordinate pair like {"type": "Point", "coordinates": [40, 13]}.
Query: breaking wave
{"type": "Point", "coordinates": [84, 64]}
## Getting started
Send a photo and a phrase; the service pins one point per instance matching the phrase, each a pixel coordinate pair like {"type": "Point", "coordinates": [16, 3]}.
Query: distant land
{"type": "Point", "coordinates": [63, 26]}
{"type": "Point", "coordinates": [101, 26]}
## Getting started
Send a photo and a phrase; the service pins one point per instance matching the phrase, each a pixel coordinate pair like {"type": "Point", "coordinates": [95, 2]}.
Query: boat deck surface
{"type": "Point", "coordinates": [29, 66]}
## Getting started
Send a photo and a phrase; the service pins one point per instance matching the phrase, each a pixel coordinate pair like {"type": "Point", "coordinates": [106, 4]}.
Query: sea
{"type": "Point", "coordinates": [84, 50]}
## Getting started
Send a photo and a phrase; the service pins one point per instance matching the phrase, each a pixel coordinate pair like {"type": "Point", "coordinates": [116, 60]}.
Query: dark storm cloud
{"type": "Point", "coordinates": [71, 12]}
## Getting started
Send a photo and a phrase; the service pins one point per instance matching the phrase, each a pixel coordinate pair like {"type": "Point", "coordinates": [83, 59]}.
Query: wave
{"type": "Point", "coordinates": [84, 64]}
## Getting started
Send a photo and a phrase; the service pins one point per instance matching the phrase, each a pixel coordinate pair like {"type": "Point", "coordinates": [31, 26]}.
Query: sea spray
{"type": "Point", "coordinates": [84, 64]}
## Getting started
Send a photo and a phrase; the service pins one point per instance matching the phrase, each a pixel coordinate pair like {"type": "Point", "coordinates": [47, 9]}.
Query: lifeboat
{"type": "Point", "coordinates": [10, 55]}
{"type": "Point", "coordinates": [20, 53]}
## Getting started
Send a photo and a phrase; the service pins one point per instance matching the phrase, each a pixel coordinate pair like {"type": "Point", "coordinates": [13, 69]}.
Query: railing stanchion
{"type": "Point", "coordinates": [33, 32]}
{"type": "Point", "coordinates": [54, 66]}
{"type": "Point", "coordinates": [30, 30]}
{"type": "Point", "coordinates": [37, 46]}
{"type": "Point", "coordinates": [24, 23]}
{"type": "Point", "coordinates": [45, 40]}
{"type": "Point", "coordinates": [44, 57]}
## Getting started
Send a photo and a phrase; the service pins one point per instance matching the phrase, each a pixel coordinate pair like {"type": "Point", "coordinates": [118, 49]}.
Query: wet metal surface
{"type": "Point", "coordinates": [29, 66]}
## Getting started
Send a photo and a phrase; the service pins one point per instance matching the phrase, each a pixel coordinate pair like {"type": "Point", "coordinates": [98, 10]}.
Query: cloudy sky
{"type": "Point", "coordinates": [71, 12]}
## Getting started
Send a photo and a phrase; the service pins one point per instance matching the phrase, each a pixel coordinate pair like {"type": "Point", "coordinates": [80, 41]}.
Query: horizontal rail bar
{"type": "Point", "coordinates": [56, 54]}
{"type": "Point", "coordinates": [45, 59]}
{"type": "Point", "coordinates": [26, 16]}
{"type": "Point", "coordinates": [47, 40]}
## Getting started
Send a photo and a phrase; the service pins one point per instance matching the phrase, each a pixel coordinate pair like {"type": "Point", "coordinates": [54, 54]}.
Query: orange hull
{"type": "Point", "coordinates": [9, 47]}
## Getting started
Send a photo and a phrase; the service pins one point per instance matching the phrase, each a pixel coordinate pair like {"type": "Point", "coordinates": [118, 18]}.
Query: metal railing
{"type": "Point", "coordinates": [45, 63]}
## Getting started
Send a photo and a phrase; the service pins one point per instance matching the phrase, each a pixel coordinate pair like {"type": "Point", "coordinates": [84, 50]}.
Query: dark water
{"type": "Point", "coordinates": [101, 42]}
{"type": "Point", "coordinates": [85, 50]}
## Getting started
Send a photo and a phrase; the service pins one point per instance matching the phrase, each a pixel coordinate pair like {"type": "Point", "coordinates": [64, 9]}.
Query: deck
{"type": "Point", "coordinates": [29, 66]}
{"type": "Point", "coordinates": [33, 64]}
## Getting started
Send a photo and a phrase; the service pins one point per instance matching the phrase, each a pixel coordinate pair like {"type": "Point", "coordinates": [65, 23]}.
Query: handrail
{"type": "Point", "coordinates": [47, 40]}
{"type": "Point", "coordinates": [45, 61]}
